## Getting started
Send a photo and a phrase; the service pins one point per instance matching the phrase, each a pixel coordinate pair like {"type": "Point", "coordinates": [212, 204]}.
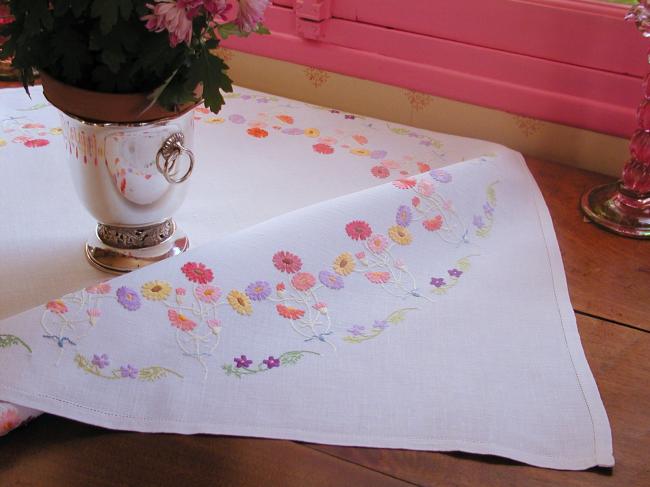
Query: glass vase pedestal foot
{"type": "Point", "coordinates": [617, 210]}
{"type": "Point", "coordinates": [124, 249]}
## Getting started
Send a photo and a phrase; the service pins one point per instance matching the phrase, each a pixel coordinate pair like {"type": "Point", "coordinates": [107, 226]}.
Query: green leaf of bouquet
{"type": "Point", "coordinates": [230, 29]}
{"type": "Point", "coordinates": [107, 12]}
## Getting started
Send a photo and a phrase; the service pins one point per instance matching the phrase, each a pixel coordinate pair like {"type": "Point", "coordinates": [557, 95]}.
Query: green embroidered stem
{"type": "Point", "coordinates": [287, 358]}
{"type": "Point", "coordinates": [147, 374]}
{"type": "Point", "coordinates": [394, 318]}
{"type": "Point", "coordinates": [7, 341]}
{"type": "Point", "coordinates": [492, 201]}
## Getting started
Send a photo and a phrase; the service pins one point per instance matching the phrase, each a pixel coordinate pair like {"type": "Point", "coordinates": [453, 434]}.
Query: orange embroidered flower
{"type": "Point", "coordinates": [343, 264]}
{"type": "Point", "coordinates": [400, 235]}
{"type": "Point", "coordinates": [257, 132]}
{"type": "Point", "coordinates": [101, 288]}
{"type": "Point", "coordinates": [57, 306]}
{"type": "Point", "coordinates": [180, 321]}
{"type": "Point", "coordinates": [289, 312]}
{"type": "Point", "coordinates": [323, 148]}
{"type": "Point", "coordinates": [285, 118]}
{"type": "Point", "coordinates": [240, 303]}
{"type": "Point", "coordinates": [378, 277]}
{"type": "Point", "coordinates": [423, 167]}
{"type": "Point", "coordinates": [360, 139]}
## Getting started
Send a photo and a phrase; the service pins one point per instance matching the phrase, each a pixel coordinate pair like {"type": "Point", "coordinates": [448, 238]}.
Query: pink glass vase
{"type": "Point", "coordinates": [624, 206]}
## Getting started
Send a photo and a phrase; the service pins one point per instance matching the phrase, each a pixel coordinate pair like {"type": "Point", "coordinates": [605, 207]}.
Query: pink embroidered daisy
{"type": "Point", "coordinates": [433, 224]}
{"type": "Point", "coordinates": [323, 148]}
{"type": "Point", "coordinates": [378, 277]}
{"type": "Point", "coordinates": [380, 172]}
{"type": "Point", "coordinates": [424, 187]}
{"type": "Point", "coordinates": [377, 243]}
{"type": "Point", "coordinates": [287, 262]}
{"type": "Point", "coordinates": [180, 321]}
{"type": "Point", "coordinates": [57, 306]}
{"type": "Point", "coordinates": [358, 230]}
{"type": "Point", "coordinates": [207, 293]}
{"type": "Point", "coordinates": [197, 272]}
{"type": "Point", "coordinates": [303, 281]}
{"type": "Point", "coordinates": [404, 183]}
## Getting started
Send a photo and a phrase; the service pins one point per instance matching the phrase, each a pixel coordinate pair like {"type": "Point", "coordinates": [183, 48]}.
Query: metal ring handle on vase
{"type": "Point", "coordinates": [170, 151]}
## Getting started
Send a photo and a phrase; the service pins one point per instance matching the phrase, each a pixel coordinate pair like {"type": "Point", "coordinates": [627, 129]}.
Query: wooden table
{"type": "Point", "coordinates": [609, 283]}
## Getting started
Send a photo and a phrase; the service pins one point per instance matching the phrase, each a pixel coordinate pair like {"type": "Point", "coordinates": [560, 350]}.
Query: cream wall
{"type": "Point", "coordinates": [545, 140]}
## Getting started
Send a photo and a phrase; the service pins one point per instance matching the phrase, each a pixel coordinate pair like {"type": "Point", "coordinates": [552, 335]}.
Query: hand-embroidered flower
{"type": "Point", "coordinates": [455, 273]}
{"type": "Point", "coordinates": [288, 119]}
{"type": "Point", "coordinates": [356, 330]}
{"type": "Point", "coordinates": [207, 293]}
{"type": "Point", "coordinates": [279, 289]}
{"type": "Point", "coordinates": [400, 235]}
{"type": "Point", "coordinates": [289, 312]}
{"type": "Point", "coordinates": [424, 187]}
{"type": "Point", "coordinates": [437, 281]}
{"type": "Point", "coordinates": [362, 257]}
{"type": "Point", "coordinates": [214, 325]}
{"type": "Point", "coordinates": [433, 224]}
{"type": "Point", "coordinates": [57, 306]}
{"type": "Point", "coordinates": [358, 230]}
{"type": "Point", "coordinates": [93, 314]}
{"type": "Point", "coordinates": [404, 216]}
{"type": "Point", "coordinates": [399, 263]}
{"type": "Point", "coordinates": [380, 324]}
{"type": "Point", "coordinates": [271, 362]}
{"type": "Point", "coordinates": [287, 262]}
{"type": "Point", "coordinates": [101, 361]}
{"type": "Point", "coordinates": [379, 172]}
{"type": "Point", "coordinates": [440, 175]}
{"type": "Point", "coordinates": [377, 243]}
{"type": "Point", "coordinates": [128, 298]}
{"type": "Point", "coordinates": [197, 272]}
{"type": "Point", "coordinates": [378, 277]}
{"type": "Point", "coordinates": [180, 292]}
{"type": "Point", "coordinates": [239, 302]}
{"type": "Point", "coordinates": [404, 183]}
{"type": "Point", "coordinates": [258, 290]}
{"type": "Point", "coordinates": [323, 148]}
{"type": "Point", "coordinates": [415, 201]}
{"type": "Point", "coordinates": [129, 371]}
{"type": "Point", "coordinates": [312, 132]}
{"type": "Point", "coordinates": [257, 132]}
{"type": "Point", "coordinates": [101, 288]}
{"type": "Point", "coordinates": [330, 280]}
{"type": "Point", "coordinates": [488, 209]}
{"type": "Point", "coordinates": [321, 308]}
{"type": "Point", "coordinates": [242, 362]}
{"type": "Point", "coordinates": [180, 321]}
{"type": "Point", "coordinates": [9, 420]}
{"type": "Point", "coordinates": [343, 264]}
{"type": "Point", "coordinates": [156, 290]}
{"type": "Point", "coordinates": [303, 281]}
{"type": "Point", "coordinates": [478, 221]}
{"type": "Point", "coordinates": [360, 152]}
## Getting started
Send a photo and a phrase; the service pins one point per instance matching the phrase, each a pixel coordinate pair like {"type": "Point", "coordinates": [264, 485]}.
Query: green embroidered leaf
{"type": "Point", "coordinates": [492, 194]}
{"type": "Point", "coordinates": [151, 374]}
{"type": "Point", "coordinates": [399, 130]}
{"type": "Point", "coordinates": [7, 341]}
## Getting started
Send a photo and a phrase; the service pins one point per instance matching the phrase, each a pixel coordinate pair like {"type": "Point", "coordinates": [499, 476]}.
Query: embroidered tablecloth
{"type": "Point", "coordinates": [404, 289]}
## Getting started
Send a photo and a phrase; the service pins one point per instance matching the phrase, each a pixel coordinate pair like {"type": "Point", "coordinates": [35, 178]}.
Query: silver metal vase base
{"type": "Point", "coordinates": [124, 249]}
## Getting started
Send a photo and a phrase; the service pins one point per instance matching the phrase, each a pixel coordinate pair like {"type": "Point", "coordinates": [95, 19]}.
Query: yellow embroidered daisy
{"type": "Point", "coordinates": [400, 235]}
{"type": "Point", "coordinates": [156, 290]}
{"type": "Point", "coordinates": [343, 264]}
{"type": "Point", "coordinates": [214, 120]}
{"type": "Point", "coordinates": [312, 132]}
{"type": "Point", "coordinates": [360, 152]}
{"type": "Point", "coordinates": [56, 131]}
{"type": "Point", "coordinates": [239, 302]}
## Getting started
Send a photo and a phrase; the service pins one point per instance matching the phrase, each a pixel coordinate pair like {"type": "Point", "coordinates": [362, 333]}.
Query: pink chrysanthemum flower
{"type": "Point", "coordinates": [251, 14]}
{"type": "Point", "coordinates": [172, 16]}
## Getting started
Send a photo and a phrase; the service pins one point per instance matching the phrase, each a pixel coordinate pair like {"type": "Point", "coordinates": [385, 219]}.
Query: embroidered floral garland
{"type": "Point", "coordinates": [243, 364]}
{"type": "Point", "coordinates": [7, 341]}
{"type": "Point", "coordinates": [359, 333]}
{"type": "Point", "coordinates": [96, 365]}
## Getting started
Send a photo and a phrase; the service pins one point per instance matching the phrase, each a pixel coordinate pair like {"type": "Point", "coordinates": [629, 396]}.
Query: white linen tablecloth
{"type": "Point", "coordinates": [430, 312]}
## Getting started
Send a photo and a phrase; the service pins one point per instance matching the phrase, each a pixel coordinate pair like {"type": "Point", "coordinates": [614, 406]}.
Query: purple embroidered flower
{"type": "Point", "coordinates": [404, 216]}
{"type": "Point", "coordinates": [271, 362]}
{"type": "Point", "coordinates": [243, 362]}
{"type": "Point", "coordinates": [426, 143]}
{"type": "Point", "coordinates": [455, 273]}
{"type": "Point", "coordinates": [129, 371]}
{"type": "Point", "coordinates": [128, 298]}
{"type": "Point", "coordinates": [356, 330]}
{"type": "Point", "coordinates": [258, 290]}
{"type": "Point", "coordinates": [437, 281]}
{"type": "Point", "coordinates": [349, 117]}
{"type": "Point", "coordinates": [488, 209]}
{"type": "Point", "coordinates": [381, 325]}
{"type": "Point", "coordinates": [246, 97]}
{"type": "Point", "coordinates": [293, 131]}
{"type": "Point", "coordinates": [100, 361]}
{"type": "Point", "coordinates": [330, 280]}
{"type": "Point", "coordinates": [414, 135]}
{"type": "Point", "coordinates": [478, 221]}
{"type": "Point", "coordinates": [378, 154]}
{"type": "Point", "coordinates": [440, 175]}
{"type": "Point", "coordinates": [262, 100]}
{"type": "Point", "coordinates": [236, 118]}
{"type": "Point", "coordinates": [334, 111]}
